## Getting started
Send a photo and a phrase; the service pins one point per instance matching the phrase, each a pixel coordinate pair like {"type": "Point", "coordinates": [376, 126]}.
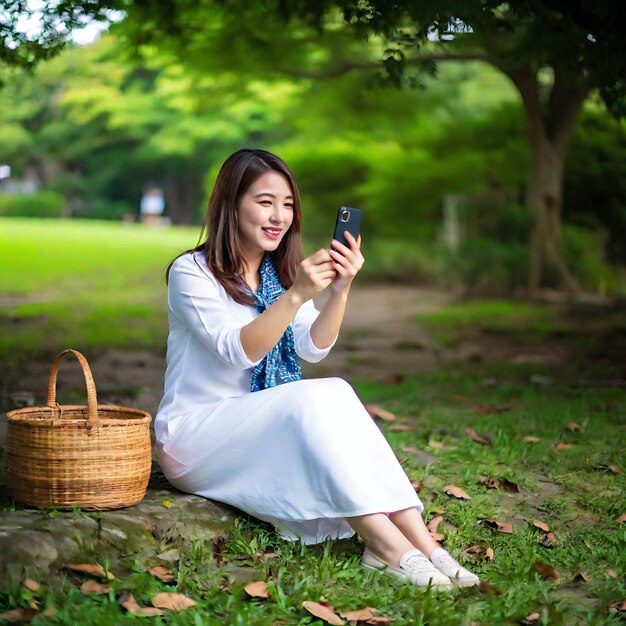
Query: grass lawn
{"type": "Point", "coordinates": [568, 476]}
{"type": "Point", "coordinates": [84, 283]}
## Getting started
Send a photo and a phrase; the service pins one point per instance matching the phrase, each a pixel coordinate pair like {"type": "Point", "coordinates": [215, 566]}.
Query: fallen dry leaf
{"type": "Point", "coordinates": [489, 553]}
{"type": "Point", "coordinates": [324, 611]}
{"type": "Point", "coordinates": [490, 483]}
{"type": "Point", "coordinates": [549, 540]}
{"type": "Point", "coordinates": [417, 485]}
{"type": "Point", "coordinates": [439, 511]}
{"type": "Point", "coordinates": [496, 483]}
{"type": "Point", "coordinates": [257, 589]}
{"type": "Point", "coordinates": [563, 446]}
{"type": "Point", "coordinates": [19, 615]}
{"type": "Point", "coordinates": [130, 604]}
{"type": "Point", "coordinates": [608, 467]}
{"type": "Point", "coordinates": [533, 617]}
{"type": "Point", "coordinates": [488, 409]}
{"type": "Point", "coordinates": [547, 571]}
{"type": "Point", "coordinates": [219, 543]}
{"type": "Point", "coordinates": [582, 576]}
{"type": "Point", "coordinates": [437, 537]}
{"type": "Point", "coordinates": [539, 524]}
{"type": "Point", "coordinates": [378, 412]}
{"type": "Point", "coordinates": [474, 436]}
{"type": "Point", "coordinates": [91, 586]}
{"type": "Point", "coordinates": [409, 448]}
{"type": "Point", "coordinates": [456, 491]}
{"type": "Point", "coordinates": [489, 588]}
{"type": "Point", "coordinates": [502, 527]}
{"type": "Point", "coordinates": [90, 568]}
{"type": "Point", "coordinates": [474, 550]}
{"type": "Point", "coordinates": [266, 556]}
{"type": "Point", "coordinates": [620, 606]}
{"type": "Point", "coordinates": [360, 615]}
{"type": "Point", "coordinates": [621, 518]}
{"type": "Point", "coordinates": [162, 573]}
{"type": "Point", "coordinates": [172, 601]}
{"type": "Point", "coordinates": [611, 572]}
{"type": "Point", "coordinates": [573, 426]}
{"type": "Point", "coordinates": [432, 525]}
{"type": "Point", "coordinates": [30, 584]}
{"type": "Point", "coordinates": [379, 620]}
{"type": "Point", "coordinates": [531, 439]}
{"type": "Point", "coordinates": [394, 379]}
{"type": "Point", "coordinates": [401, 428]}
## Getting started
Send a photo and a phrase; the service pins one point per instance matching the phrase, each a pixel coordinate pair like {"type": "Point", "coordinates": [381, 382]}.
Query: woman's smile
{"type": "Point", "coordinates": [273, 233]}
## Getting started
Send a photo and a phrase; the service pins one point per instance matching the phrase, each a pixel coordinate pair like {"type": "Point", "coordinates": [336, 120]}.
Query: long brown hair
{"type": "Point", "coordinates": [222, 248]}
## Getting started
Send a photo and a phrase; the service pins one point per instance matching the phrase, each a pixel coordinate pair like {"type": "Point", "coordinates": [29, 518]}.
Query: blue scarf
{"type": "Point", "coordinates": [281, 363]}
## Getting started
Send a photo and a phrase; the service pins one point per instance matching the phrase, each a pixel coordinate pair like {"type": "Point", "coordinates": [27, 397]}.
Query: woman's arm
{"type": "Point", "coordinates": [260, 335]}
{"type": "Point", "coordinates": [348, 262]}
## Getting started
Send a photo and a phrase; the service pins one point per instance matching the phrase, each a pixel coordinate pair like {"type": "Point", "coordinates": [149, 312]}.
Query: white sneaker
{"type": "Point", "coordinates": [449, 566]}
{"type": "Point", "coordinates": [414, 567]}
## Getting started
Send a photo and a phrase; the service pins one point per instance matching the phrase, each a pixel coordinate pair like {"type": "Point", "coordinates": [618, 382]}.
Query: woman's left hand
{"type": "Point", "coordinates": [348, 261]}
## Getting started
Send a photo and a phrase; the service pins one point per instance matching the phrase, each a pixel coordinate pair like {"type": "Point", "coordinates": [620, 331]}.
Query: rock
{"type": "Point", "coordinates": [39, 544]}
{"type": "Point", "coordinates": [28, 550]}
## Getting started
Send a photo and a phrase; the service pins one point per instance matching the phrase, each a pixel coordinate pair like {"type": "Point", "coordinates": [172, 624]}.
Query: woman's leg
{"type": "Point", "coordinates": [381, 536]}
{"type": "Point", "coordinates": [411, 524]}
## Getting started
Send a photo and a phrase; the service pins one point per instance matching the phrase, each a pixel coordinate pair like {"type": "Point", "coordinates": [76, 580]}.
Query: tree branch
{"type": "Point", "coordinates": [352, 66]}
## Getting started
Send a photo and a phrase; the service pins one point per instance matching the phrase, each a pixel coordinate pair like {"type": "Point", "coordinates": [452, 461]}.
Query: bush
{"type": "Point", "coordinates": [486, 267]}
{"type": "Point", "coordinates": [103, 210]}
{"type": "Point", "coordinates": [42, 204]}
{"type": "Point", "coordinates": [583, 252]}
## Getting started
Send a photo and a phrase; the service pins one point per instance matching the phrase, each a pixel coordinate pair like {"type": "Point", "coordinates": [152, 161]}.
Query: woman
{"type": "Point", "coordinates": [237, 424]}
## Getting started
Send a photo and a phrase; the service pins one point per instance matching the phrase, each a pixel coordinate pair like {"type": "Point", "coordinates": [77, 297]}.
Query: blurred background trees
{"type": "Point", "coordinates": [453, 190]}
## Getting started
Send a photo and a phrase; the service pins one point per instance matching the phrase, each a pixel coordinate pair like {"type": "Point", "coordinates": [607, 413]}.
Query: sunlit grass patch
{"type": "Point", "coordinates": [500, 315]}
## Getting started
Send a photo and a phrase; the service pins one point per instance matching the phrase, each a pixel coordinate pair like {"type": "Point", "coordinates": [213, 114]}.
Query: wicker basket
{"type": "Point", "coordinates": [93, 457]}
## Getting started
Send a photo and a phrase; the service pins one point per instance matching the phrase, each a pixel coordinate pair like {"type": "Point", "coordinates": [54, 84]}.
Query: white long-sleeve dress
{"type": "Point", "coordinates": [303, 455]}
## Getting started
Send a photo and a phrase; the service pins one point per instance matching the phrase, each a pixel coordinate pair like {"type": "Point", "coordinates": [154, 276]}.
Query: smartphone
{"type": "Point", "coordinates": [348, 218]}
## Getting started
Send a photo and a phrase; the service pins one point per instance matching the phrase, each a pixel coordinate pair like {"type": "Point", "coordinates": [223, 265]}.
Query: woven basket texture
{"type": "Point", "coordinates": [95, 457]}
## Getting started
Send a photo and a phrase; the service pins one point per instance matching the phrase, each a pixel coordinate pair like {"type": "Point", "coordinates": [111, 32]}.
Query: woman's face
{"type": "Point", "coordinates": [265, 214]}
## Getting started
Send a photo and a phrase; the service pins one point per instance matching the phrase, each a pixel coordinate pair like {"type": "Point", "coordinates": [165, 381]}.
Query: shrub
{"type": "Point", "coordinates": [41, 204]}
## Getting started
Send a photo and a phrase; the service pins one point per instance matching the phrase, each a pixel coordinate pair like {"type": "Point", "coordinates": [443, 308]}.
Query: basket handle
{"type": "Point", "coordinates": [92, 400]}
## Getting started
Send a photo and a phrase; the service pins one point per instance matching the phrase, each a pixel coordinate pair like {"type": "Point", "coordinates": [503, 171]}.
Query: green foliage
{"type": "Point", "coordinates": [41, 204]}
{"type": "Point", "coordinates": [594, 194]}
{"type": "Point", "coordinates": [583, 251]}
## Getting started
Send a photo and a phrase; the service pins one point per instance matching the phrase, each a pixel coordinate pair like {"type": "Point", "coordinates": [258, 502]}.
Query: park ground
{"type": "Point", "coordinates": [509, 417]}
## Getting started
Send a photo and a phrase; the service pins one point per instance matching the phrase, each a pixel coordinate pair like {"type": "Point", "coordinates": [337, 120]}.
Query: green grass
{"type": "Point", "coordinates": [99, 284]}
{"type": "Point", "coordinates": [86, 284]}
{"type": "Point", "coordinates": [580, 504]}
{"type": "Point", "coordinates": [496, 314]}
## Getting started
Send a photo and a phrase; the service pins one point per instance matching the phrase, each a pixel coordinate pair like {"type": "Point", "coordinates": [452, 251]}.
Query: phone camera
{"type": "Point", "coordinates": [345, 215]}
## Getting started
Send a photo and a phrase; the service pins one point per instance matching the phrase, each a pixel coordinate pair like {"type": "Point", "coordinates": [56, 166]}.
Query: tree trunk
{"type": "Point", "coordinates": [181, 197]}
{"type": "Point", "coordinates": [544, 201]}
{"type": "Point", "coordinates": [550, 128]}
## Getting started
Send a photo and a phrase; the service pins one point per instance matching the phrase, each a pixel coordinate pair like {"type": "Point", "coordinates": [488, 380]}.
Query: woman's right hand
{"type": "Point", "coordinates": [315, 273]}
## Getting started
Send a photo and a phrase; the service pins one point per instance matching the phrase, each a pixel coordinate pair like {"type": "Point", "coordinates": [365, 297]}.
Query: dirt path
{"type": "Point", "coordinates": [378, 337]}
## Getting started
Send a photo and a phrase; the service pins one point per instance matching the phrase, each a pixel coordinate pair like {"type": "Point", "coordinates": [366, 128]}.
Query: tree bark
{"type": "Point", "coordinates": [181, 197]}
{"type": "Point", "coordinates": [550, 128]}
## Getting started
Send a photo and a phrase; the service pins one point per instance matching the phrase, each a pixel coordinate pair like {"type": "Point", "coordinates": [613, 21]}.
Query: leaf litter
{"type": "Point", "coordinates": [456, 491]}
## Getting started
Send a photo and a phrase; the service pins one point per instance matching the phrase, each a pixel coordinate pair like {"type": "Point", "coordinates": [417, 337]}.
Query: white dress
{"type": "Point", "coordinates": [303, 455]}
